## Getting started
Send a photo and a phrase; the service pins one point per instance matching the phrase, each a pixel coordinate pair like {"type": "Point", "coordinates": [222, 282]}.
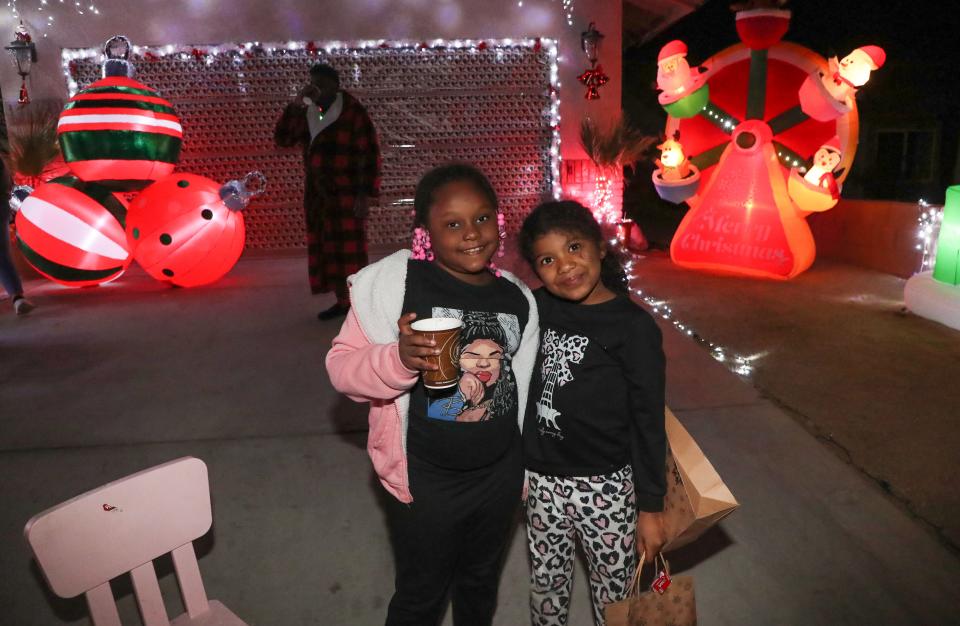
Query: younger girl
{"type": "Point", "coordinates": [451, 458]}
{"type": "Point", "coordinates": [594, 441]}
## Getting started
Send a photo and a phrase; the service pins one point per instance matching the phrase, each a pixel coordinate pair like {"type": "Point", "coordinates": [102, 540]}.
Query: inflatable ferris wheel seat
{"type": "Point", "coordinates": [817, 102]}
{"type": "Point", "coordinates": [807, 196]}
{"type": "Point", "coordinates": [677, 191]}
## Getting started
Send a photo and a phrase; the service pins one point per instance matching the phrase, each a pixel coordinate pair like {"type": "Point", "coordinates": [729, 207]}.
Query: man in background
{"type": "Point", "coordinates": [341, 159]}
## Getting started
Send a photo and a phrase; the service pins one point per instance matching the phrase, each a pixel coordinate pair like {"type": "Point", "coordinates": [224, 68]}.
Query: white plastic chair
{"type": "Point", "coordinates": [121, 527]}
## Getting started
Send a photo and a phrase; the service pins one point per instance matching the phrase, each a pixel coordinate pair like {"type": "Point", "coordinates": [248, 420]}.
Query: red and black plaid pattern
{"type": "Point", "coordinates": [336, 244]}
{"type": "Point", "coordinates": [341, 162]}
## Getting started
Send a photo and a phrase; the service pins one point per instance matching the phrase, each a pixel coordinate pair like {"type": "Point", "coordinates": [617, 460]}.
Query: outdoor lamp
{"type": "Point", "coordinates": [594, 78]}
{"type": "Point", "coordinates": [590, 42]}
{"type": "Point", "coordinates": [24, 53]}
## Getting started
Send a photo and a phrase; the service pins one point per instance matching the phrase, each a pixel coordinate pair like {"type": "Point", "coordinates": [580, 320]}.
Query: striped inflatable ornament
{"type": "Point", "coordinates": [119, 133]}
{"type": "Point", "coordinates": [72, 232]}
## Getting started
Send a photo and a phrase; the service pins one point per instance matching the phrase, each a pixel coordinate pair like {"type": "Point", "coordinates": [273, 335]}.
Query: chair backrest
{"type": "Point", "coordinates": [121, 527]}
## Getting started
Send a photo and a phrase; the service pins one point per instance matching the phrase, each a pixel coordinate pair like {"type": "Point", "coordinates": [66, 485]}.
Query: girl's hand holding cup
{"type": "Point", "coordinates": [429, 346]}
{"type": "Point", "coordinates": [415, 347]}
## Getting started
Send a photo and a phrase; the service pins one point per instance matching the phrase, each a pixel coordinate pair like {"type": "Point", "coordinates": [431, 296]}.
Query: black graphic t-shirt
{"type": "Point", "coordinates": [473, 423]}
{"type": "Point", "coordinates": [597, 395]}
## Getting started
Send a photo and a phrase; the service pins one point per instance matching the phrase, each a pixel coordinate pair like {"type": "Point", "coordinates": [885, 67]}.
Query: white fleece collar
{"type": "Point", "coordinates": [318, 120]}
{"type": "Point", "coordinates": [376, 295]}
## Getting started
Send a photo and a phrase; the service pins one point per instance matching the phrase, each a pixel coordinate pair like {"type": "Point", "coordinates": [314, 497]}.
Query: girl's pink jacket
{"type": "Point", "coordinates": [364, 364]}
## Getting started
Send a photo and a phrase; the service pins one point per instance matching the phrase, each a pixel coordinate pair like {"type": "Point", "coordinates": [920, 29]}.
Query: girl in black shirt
{"type": "Point", "coordinates": [594, 441]}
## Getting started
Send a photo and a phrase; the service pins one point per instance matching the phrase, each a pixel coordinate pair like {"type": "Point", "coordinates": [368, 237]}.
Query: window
{"type": "Point", "coordinates": [906, 155]}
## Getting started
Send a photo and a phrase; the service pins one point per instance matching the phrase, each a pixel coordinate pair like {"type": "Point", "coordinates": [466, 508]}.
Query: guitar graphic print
{"type": "Point", "coordinates": [559, 351]}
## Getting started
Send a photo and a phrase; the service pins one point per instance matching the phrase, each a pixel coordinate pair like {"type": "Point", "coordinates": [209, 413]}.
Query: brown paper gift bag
{"type": "Point", "coordinates": [697, 497]}
{"type": "Point", "coordinates": [674, 607]}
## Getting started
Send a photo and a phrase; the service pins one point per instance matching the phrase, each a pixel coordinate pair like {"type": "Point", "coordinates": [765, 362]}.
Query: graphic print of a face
{"type": "Point", "coordinates": [481, 357]}
{"type": "Point", "coordinates": [487, 388]}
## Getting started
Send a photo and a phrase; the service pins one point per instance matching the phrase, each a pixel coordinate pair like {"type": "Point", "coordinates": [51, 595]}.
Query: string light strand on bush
{"type": "Point", "coordinates": [928, 230]}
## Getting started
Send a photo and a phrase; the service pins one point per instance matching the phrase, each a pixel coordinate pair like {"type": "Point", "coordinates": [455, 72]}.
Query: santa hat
{"type": "Point", "coordinates": [672, 49]}
{"type": "Point", "coordinates": [876, 54]}
{"type": "Point", "coordinates": [833, 144]}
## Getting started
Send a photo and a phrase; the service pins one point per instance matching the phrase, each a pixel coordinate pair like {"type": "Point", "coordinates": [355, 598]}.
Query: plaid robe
{"type": "Point", "coordinates": [343, 160]}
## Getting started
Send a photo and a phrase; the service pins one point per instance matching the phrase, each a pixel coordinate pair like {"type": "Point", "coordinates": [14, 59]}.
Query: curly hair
{"type": "Point", "coordinates": [444, 175]}
{"type": "Point", "coordinates": [568, 216]}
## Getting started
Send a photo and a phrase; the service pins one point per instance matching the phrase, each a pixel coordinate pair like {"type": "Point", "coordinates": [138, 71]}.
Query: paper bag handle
{"type": "Point", "coordinates": [635, 585]}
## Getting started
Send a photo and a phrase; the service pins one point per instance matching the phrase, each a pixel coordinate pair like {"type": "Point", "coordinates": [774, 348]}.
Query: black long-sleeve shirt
{"type": "Point", "coordinates": [597, 394]}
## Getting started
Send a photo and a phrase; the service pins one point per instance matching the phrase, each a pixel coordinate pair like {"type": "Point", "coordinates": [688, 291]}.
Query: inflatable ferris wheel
{"type": "Point", "coordinates": [760, 136]}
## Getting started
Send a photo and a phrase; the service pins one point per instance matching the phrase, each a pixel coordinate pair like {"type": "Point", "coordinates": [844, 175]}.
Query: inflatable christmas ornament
{"type": "Point", "coordinates": [17, 195]}
{"type": "Point", "coordinates": [827, 95]}
{"type": "Point", "coordinates": [936, 295]}
{"type": "Point", "coordinates": [748, 143]}
{"type": "Point", "coordinates": [118, 132]}
{"type": "Point", "coordinates": [72, 232]}
{"type": "Point", "coordinates": [816, 188]}
{"type": "Point", "coordinates": [683, 92]}
{"type": "Point", "coordinates": [188, 230]}
{"type": "Point", "coordinates": [675, 179]}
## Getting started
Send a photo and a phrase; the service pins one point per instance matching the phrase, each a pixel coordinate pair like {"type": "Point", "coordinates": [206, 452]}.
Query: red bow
{"type": "Point", "coordinates": [840, 80]}
{"type": "Point", "coordinates": [593, 79]}
{"type": "Point", "coordinates": [830, 183]}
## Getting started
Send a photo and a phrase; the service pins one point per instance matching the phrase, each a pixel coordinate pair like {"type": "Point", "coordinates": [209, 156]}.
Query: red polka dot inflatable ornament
{"type": "Point", "coordinates": [188, 230]}
{"type": "Point", "coordinates": [118, 132]}
{"type": "Point", "coordinates": [72, 232]}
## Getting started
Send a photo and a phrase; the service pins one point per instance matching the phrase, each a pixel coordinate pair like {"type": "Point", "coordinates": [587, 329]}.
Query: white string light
{"type": "Point", "coordinates": [42, 7]}
{"type": "Point", "coordinates": [602, 203]}
{"type": "Point", "coordinates": [736, 363]}
{"type": "Point", "coordinates": [928, 231]}
{"type": "Point", "coordinates": [567, 9]}
{"type": "Point", "coordinates": [725, 122]}
{"type": "Point", "coordinates": [239, 51]}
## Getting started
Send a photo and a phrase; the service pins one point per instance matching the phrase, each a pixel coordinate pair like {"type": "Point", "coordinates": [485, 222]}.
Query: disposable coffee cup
{"type": "Point", "coordinates": [445, 331]}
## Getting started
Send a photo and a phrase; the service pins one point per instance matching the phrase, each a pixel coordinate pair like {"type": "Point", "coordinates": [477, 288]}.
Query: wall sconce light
{"type": "Point", "coordinates": [24, 53]}
{"type": "Point", "coordinates": [594, 78]}
{"type": "Point", "coordinates": [590, 42]}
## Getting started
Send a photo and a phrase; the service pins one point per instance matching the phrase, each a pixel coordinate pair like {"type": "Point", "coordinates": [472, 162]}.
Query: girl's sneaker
{"type": "Point", "coordinates": [22, 306]}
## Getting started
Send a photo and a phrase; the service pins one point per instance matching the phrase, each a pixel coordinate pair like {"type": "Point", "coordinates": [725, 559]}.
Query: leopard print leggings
{"type": "Point", "coordinates": [599, 511]}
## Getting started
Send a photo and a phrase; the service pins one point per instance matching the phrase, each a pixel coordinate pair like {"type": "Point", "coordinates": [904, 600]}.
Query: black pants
{"type": "Point", "coordinates": [452, 539]}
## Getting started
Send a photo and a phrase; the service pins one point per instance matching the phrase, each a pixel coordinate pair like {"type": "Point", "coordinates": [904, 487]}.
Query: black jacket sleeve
{"type": "Point", "coordinates": [292, 129]}
{"type": "Point", "coordinates": [645, 371]}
